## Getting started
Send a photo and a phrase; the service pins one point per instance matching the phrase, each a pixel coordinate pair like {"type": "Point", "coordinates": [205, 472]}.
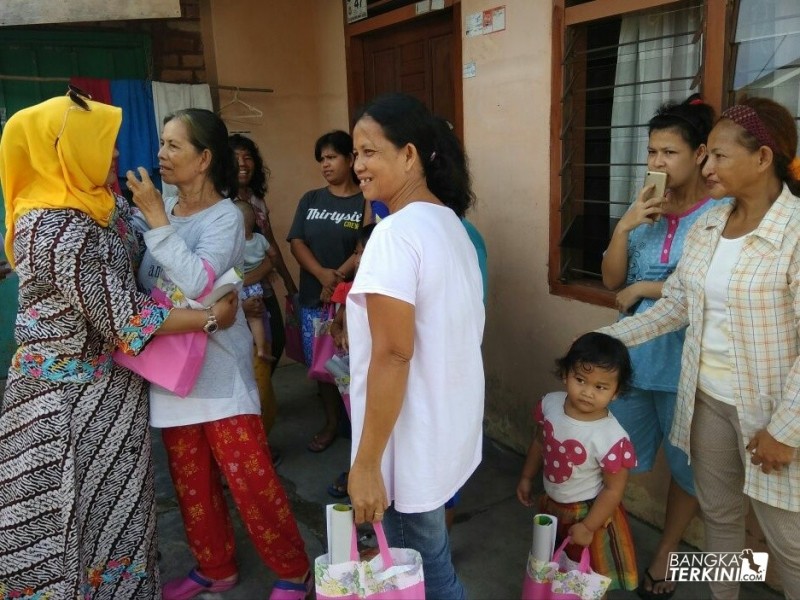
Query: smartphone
{"type": "Point", "coordinates": [659, 180]}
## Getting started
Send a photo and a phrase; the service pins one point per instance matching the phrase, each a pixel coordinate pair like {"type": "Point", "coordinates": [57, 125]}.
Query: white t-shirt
{"type": "Point", "coordinates": [715, 375]}
{"type": "Point", "coordinates": [577, 453]}
{"type": "Point", "coordinates": [255, 249]}
{"type": "Point", "coordinates": [174, 267]}
{"type": "Point", "coordinates": [422, 255]}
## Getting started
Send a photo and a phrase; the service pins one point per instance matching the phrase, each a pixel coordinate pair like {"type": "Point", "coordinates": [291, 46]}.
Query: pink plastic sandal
{"type": "Point", "coordinates": [287, 590]}
{"type": "Point", "coordinates": [193, 584]}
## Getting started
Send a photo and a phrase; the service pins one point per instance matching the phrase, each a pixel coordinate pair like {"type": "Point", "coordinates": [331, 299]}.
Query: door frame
{"type": "Point", "coordinates": [354, 55]}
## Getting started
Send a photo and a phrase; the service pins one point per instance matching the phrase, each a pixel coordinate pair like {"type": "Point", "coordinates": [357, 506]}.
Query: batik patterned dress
{"type": "Point", "coordinates": [77, 509]}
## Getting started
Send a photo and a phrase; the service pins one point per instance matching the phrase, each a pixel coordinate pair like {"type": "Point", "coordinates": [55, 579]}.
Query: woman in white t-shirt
{"type": "Point", "coordinates": [415, 323]}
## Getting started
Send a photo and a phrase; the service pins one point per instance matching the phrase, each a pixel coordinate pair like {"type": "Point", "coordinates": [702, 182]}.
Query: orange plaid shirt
{"type": "Point", "coordinates": [763, 312]}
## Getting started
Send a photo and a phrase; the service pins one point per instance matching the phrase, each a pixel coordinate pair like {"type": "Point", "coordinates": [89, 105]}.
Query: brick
{"type": "Point", "coordinates": [193, 61]}
{"type": "Point", "coordinates": [176, 76]}
{"type": "Point", "coordinates": [178, 44]}
{"type": "Point", "coordinates": [200, 75]}
{"type": "Point", "coordinates": [189, 27]}
{"type": "Point", "coordinates": [170, 60]}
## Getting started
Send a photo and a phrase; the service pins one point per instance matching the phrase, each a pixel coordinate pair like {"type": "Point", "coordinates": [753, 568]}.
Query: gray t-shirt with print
{"type": "Point", "coordinates": [329, 226]}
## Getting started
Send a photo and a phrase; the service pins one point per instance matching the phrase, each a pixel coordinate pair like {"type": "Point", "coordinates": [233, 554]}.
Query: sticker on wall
{"type": "Point", "coordinates": [423, 6]}
{"type": "Point", "coordinates": [469, 70]}
{"type": "Point", "coordinates": [488, 21]}
{"type": "Point", "coordinates": [356, 10]}
{"type": "Point", "coordinates": [437, 4]}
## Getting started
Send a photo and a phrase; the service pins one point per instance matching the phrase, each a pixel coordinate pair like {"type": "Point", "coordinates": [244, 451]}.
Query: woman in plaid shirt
{"type": "Point", "coordinates": [736, 287]}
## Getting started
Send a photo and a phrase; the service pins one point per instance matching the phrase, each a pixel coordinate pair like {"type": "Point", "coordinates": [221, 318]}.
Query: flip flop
{"type": "Point", "coordinates": [338, 489]}
{"type": "Point", "coordinates": [194, 584]}
{"type": "Point", "coordinates": [321, 443]}
{"type": "Point", "coordinates": [287, 590]}
{"type": "Point", "coordinates": [650, 594]}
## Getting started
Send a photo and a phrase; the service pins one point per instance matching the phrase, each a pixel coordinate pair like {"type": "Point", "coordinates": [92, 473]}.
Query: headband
{"type": "Point", "coordinates": [748, 119]}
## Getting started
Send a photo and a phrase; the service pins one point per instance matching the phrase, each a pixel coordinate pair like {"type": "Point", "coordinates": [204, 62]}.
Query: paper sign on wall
{"type": "Point", "coordinates": [488, 21]}
{"type": "Point", "coordinates": [356, 10]}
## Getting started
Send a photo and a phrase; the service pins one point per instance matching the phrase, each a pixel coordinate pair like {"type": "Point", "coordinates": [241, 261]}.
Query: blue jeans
{"type": "Point", "coordinates": [427, 534]}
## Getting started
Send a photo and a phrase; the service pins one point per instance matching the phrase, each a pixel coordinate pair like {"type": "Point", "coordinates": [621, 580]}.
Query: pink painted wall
{"type": "Point", "coordinates": [297, 49]}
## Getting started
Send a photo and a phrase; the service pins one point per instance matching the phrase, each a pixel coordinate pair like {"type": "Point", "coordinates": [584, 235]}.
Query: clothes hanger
{"type": "Point", "coordinates": [253, 112]}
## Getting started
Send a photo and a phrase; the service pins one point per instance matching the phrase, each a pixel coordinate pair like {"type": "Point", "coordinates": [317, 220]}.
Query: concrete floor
{"type": "Point", "coordinates": [490, 539]}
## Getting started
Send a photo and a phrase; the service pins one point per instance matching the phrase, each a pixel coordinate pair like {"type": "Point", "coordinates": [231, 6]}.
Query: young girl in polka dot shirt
{"type": "Point", "coordinates": [585, 455]}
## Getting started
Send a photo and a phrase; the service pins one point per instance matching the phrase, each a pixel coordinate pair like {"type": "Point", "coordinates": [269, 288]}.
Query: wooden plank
{"type": "Point", "coordinates": [602, 9]}
{"type": "Point", "coordinates": [36, 12]}
{"type": "Point", "coordinates": [458, 78]}
{"type": "Point", "coordinates": [584, 291]}
{"type": "Point", "coordinates": [399, 15]}
{"type": "Point", "coordinates": [716, 62]}
{"type": "Point", "coordinates": [556, 150]}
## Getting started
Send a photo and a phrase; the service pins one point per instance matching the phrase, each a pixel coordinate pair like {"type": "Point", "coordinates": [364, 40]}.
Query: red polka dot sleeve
{"type": "Point", "coordinates": [621, 455]}
{"type": "Point", "coordinates": [538, 415]}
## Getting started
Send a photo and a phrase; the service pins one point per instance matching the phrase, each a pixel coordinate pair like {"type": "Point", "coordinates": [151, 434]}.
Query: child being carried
{"type": "Point", "coordinates": [256, 266]}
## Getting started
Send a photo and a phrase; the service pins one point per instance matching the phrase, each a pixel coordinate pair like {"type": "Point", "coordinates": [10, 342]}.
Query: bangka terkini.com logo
{"type": "Point", "coordinates": [717, 566]}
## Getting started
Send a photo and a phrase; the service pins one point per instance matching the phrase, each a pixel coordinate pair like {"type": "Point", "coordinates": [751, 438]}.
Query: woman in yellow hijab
{"type": "Point", "coordinates": [76, 488]}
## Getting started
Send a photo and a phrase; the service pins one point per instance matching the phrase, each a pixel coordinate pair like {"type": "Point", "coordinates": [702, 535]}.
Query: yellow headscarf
{"type": "Point", "coordinates": [37, 173]}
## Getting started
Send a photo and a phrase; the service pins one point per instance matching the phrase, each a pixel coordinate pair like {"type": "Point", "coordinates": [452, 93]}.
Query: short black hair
{"type": "Point", "coordinates": [340, 141]}
{"type": "Point", "coordinates": [598, 350]}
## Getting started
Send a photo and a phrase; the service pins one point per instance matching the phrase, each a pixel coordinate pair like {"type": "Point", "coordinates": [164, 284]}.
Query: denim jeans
{"type": "Point", "coordinates": [427, 534]}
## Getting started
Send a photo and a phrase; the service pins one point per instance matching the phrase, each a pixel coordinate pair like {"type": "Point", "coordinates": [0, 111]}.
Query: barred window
{"type": "Point", "coordinates": [617, 69]}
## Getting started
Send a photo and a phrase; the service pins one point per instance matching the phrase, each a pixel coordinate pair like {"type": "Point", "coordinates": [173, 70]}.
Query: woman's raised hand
{"type": "Point", "coordinates": [147, 198]}
{"type": "Point", "coordinates": [643, 210]}
{"type": "Point", "coordinates": [224, 310]}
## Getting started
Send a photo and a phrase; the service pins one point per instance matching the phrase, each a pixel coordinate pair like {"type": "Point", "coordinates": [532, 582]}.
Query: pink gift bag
{"type": "Point", "coordinates": [395, 574]}
{"type": "Point", "coordinates": [562, 578]}
{"type": "Point", "coordinates": [323, 348]}
{"type": "Point", "coordinates": [172, 361]}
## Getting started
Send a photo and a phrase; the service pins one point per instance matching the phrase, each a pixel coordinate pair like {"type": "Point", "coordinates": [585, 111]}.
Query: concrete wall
{"type": "Point", "coordinates": [506, 130]}
{"type": "Point", "coordinates": [297, 49]}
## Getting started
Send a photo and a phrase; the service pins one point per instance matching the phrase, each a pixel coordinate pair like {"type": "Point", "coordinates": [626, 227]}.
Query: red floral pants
{"type": "Point", "coordinates": [236, 446]}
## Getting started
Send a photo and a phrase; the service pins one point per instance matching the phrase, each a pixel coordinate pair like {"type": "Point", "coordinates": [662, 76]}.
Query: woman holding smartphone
{"type": "Point", "coordinates": [643, 252]}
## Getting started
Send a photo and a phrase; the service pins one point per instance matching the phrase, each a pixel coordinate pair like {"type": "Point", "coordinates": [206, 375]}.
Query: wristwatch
{"type": "Point", "coordinates": [211, 324]}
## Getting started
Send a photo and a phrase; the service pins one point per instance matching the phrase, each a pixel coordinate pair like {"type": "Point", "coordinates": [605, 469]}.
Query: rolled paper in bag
{"type": "Point", "coordinates": [544, 537]}
{"type": "Point", "coordinates": [340, 532]}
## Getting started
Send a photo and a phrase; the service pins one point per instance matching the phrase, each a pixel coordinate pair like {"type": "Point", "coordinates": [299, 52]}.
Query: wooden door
{"type": "Point", "coordinates": [419, 57]}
